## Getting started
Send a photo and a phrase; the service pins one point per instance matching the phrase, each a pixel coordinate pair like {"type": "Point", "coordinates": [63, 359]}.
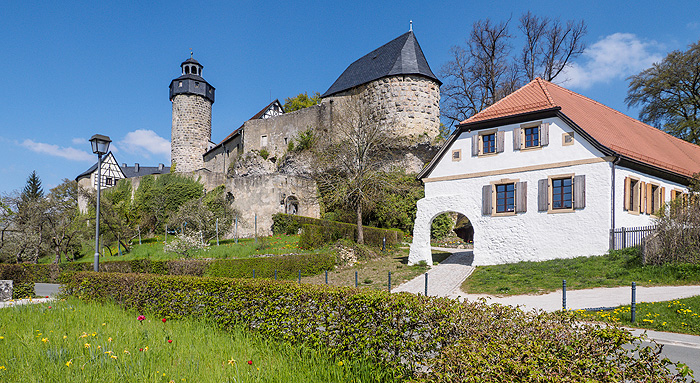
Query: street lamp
{"type": "Point", "coordinates": [100, 146]}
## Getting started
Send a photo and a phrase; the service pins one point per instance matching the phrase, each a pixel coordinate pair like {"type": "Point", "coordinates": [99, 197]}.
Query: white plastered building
{"type": "Point", "coordinates": [547, 173]}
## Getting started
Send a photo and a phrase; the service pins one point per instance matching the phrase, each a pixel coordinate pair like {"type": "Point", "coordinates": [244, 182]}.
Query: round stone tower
{"type": "Point", "coordinates": [192, 97]}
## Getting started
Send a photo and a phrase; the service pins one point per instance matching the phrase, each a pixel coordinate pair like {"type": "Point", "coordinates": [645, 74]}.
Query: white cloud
{"type": "Point", "coordinates": [58, 151]}
{"type": "Point", "coordinates": [145, 142]}
{"type": "Point", "coordinates": [616, 56]}
{"type": "Point", "coordinates": [80, 141]}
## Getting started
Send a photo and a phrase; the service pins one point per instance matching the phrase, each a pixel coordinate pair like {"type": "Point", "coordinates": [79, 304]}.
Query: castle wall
{"type": "Point", "coordinates": [410, 103]}
{"type": "Point", "coordinates": [219, 159]}
{"type": "Point", "coordinates": [282, 129]}
{"type": "Point", "coordinates": [191, 131]}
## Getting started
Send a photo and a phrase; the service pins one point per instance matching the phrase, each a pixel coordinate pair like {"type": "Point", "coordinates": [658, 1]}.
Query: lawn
{"type": "Point", "coordinates": [374, 273]}
{"type": "Point", "coordinates": [680, 315]}
{"type": "Point", "coordinates": [619, 268]}
{"type": "Point", "coordinates": [152, 248]}
{"type": "Point", "coordinates": [73, 341]}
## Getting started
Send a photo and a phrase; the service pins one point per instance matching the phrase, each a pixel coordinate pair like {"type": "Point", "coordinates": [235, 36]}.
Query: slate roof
{"type": "Point", "coordinates": [613, 131]}
{"type": "Point", "coordinates": [129, 171]}
{"type": "Point", "coordinates": [400, 56]}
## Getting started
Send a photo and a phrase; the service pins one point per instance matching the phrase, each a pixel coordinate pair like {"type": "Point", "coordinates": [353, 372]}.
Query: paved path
{"type": "Point", "coordinates": [444, 278]}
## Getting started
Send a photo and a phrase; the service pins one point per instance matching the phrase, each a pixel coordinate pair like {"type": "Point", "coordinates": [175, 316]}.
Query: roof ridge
{"type": "Point", "coordinates": [487, 110]}
{"type": "Point", "coordinates": [543, 84]}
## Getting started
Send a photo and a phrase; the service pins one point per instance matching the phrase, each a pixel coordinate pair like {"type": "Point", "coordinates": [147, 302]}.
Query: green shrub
{"type": "Point", "coordinates": [287, 266]}
{"type": "Point", "coordinates": [285, 224]}
{"type": "Point", "coordinates": [264, 153]}
{"type": "Point", "coordinates": [425, 338]}
{"type": "Point", "coordinates": [441, 226]}
{"type": "Point", "coordinates": [324, 231]}
{"type": "Point", "coordinates": [22, 290]}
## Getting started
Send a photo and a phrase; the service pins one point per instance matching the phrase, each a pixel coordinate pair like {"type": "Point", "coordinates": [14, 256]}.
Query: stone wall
{"type": "Point", "coordinates": [191, 131]}
{"type": "Point", "coordinates": [220, 158]}
{"type": "Point", "coordinates": [410, 104]}
{"type": "Point", "coordinates": [282, 129]}
{"type": "Point", "coordinates": [265, 195]}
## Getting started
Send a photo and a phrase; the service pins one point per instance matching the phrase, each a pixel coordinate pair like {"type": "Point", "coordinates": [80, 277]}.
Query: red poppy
{"type": "Point", "coordinates": [49, 306]}
{"type": "Point", "coordinates": [163, 320]}
{"type": "Point", "coordinates": [141, 317]}
{"type": "Point", "coordinates": [250, 362]}
{"type": "Point", "coordinates": [170, 341]}
{"type": "Point", "coordinates": [140, 349]}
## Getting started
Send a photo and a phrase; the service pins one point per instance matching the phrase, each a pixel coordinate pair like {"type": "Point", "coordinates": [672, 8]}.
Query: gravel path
{"type": "Point", "coordinates": [445, 278]}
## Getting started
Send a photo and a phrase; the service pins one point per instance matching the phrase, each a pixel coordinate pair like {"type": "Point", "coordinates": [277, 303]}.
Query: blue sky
{"type": "Point", "coordinates": [73, 69]}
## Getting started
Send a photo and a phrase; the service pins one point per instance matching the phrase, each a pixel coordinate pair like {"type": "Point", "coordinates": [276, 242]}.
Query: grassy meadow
{"type": "Point", "coordinates": [69, 341]}
{"type": "Point", "coordinates": [618, 268]}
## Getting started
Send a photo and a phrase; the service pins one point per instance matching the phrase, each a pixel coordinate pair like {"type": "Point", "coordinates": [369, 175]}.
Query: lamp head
{"type": "Point", "coordinates": [100, 144]}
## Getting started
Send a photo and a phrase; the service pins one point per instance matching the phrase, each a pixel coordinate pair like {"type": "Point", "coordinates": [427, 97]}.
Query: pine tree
{"type": "Point", "coordinates": [32, 190]}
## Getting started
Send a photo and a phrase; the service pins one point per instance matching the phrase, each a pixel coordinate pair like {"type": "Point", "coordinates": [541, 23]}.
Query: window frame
{"type": "Point", "coordinates": [530, 125]}
{"type": "Point", "coordinates": [264, 140]}
{"type": "Point", "coordinates": [564, 137]}
{"type": "Point", "coordinates": [550, 193]}
{"type": "Point", "coordinates": [482, 151]}
{"type": "Point", "coordinates": [494, 197]}
{"type": "Point", "coordinates": [634, 197]}
{"type": "Point", "coordinates": [458, 152]}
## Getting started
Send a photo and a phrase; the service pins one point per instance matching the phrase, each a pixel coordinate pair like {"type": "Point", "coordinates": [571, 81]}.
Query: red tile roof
{"type": "Point", "coordinates": [612, 129]}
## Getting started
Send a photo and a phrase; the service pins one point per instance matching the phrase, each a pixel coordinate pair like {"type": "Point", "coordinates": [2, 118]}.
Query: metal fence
{"type": "Point", "coordinates": [623, 237]}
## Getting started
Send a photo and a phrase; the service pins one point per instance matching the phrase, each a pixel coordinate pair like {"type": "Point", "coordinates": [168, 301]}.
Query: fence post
{"type": "Point", "coordinates": [236, 233]}
{"type": "Point", "coordinates": [166, 232]}
{"type": "Point", "coordinates": [384, 243]}
{"type": "Point", "coordinates": [633, 310]}
{"type": "Point", "coordinates": [253, 273]}
{"type": "Point", "coordinates": [355, 278]}
{"type": "Point", "coordinates": [139, 227]}
{"type": "Point", "coordinates": [624, 238]}
{"type": "Point", "coordinates": [611, 240]}
{"type": "Point", "coordinates": [389, 281]}
{"type": "Point", "coordinates": [275, 274]}
{"type": "Point", "coordinates": [299, 276]}
{"type": "Point", "coordinates": [217, 232]}
{"type": "Point", "coordinates": [326, 276]}
{"type": "Point", "coordinates": [563, 294]}
{"type": "Point", "coordinates": [426, 284]}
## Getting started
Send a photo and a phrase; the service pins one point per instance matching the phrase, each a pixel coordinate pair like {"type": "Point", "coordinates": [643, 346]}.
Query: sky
{"type": "Point", "coordinates": [73, 69]}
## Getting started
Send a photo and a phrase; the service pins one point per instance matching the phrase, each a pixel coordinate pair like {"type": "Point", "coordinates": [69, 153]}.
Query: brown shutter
{"type": "Point", "coordinates": [649, 207]}
{"type": "Point", "coordinates": [475, 145]}
{"type": "Point", "coordinates": [544, 134]}
{"type": "Point", "coordinates": [542, 195]}
{"type": "Point", "coordinates": [579, 192]}
{"type": "Point", "coordinates": [486, 200]}
{"type": "Point", "coordinates": [628, 182]}
{"type": "Point", "coordinates": [521, 197]}
{"type": "Point", "coordinates": [640, 203]}
{"type": "Point", "coordinates": [516, 139]}
{"type": "Point", "coordinates": [500, 141]}
{"type": "Point", "coordinates": [662, 198]}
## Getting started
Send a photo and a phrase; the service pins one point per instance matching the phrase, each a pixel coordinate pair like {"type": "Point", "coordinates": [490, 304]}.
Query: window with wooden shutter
{"type": "Point", "coordinates": [500, 141]}
{"type": "Point", "coordinates": [662, 197]}
{"type": "Point", "coordinates": [627, 198]}
{"type": "Point", "coordinates": [542, 195]}
{"type": "Point", "coordinates": [544, 134]}
{"type": "Point", "coordinates": [641, 202]}
{"type": "Point", "coordinates": [579, 192]}
{"type": "Point", "coordinates": [521, 197]}
{"type": "Point", "coordinates": [560, 196]}
{"type": "Point", "coordinates": [516, 138]}
{"type": "Point", "coordinates": [486, 200]}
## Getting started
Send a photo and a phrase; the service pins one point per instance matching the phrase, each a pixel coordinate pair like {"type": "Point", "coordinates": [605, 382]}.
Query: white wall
{"type": "Point", "coordinates": [554, 152]}
{"type": "Point", "coordinates": [529, 236]}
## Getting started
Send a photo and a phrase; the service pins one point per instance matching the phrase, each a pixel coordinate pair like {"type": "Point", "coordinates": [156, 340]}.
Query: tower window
{"type": "Point", "coordinates": [179, 84]}
{"type": "Point", "coordinates": [187, 70]}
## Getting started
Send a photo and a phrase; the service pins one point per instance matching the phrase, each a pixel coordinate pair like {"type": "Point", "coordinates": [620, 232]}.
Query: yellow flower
{"type": "Point", "coordinates": [231, 362]}
{"type": "Point", "coordinates": [84, 335]}
{"type": "Point", "coordinates": [68, 363]}
{"type": "Point", "coordinates": [113, 356]}
{"type": "Point", "coordinates": [340, 363]}
{"type": "Point", "coordinates": [87, 345]}
{"type": "Point", "coordinates": [94, 334]}
{"type": "Point", "coordinates": [2, 367]}
{"type": "Point", "coordinates": [44, 340]}
{"type": "Point", "coordinates": [2, 337]}
{"type": "Point", "coordinates": [65, 336]}
{"type": "Point", "coordinates": [108, 352]}
{"type": "Point", "coordinates": [99, 347]}
{"type": "Point", "coordinates": [127, 352]}
{"type": "Point", "coordinates": [109, 339]}
{"type": "Point", "coordinates": [104, 324]}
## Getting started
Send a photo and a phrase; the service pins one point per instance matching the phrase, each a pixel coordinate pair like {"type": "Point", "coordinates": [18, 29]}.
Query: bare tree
{"type": "Point", "coordinates": [63, 220]}
{"type": "Point", "coordinates": [486, 69]}
{"type": "Point", "coordinates": [351, 164]}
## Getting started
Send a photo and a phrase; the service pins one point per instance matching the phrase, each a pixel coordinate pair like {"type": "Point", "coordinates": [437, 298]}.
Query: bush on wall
{"type": "Point", "coordinates": [422, 338]}
{"type": "Point", "coordinates": [321, 231]}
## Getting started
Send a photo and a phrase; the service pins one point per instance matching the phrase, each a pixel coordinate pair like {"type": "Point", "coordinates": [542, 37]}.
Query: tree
{"type": "Point", "coordinates": [63, 223]}
{"type": "Point", "coordinates": [201, 214]}
{"type": "Point", "coordinates": [669, 94]}
{"type": "Point", "coordinates": [301, 101]}
{"type": "Point", "coordinates": [486, 69]}
{"type": "Point", "coordinates": [351, 163]}
{"type": "Point", "coordinates": [32, 190]}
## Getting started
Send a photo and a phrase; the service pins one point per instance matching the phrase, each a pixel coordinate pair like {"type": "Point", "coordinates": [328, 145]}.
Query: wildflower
{"type": "Point", "coordinates": [163, 320]}
{"type": "Point", "coordinates": [250, 362]}
{"type": "Point", "coordinates": [170, 341]}
{"type": "Point", "coordinates": [109, 339]}
{"type": "Point", "coordinates": [44, 340]}
{"type": "Point", "coordinates": [113, 356]}
{"type": "Point", "coordinates": [108, 352]}
{"type": "Point", "coordinates": [141, 317]}
{"type": "Point", "coordinates": [140, 349]}
{"type": "Point", "coordinates": [49, 306]}
{"type": "Point", "coordinates": [232, 362]}
{"type": "Point", "coordinates": [127, 352]}
{"type": "Point", "coordinates": [340, 363]}
{"type": "Point", "coordinates": [87, 345]}
{"type": "Point", "coordinates": [99, 347]}
{"type": "Point", "coordinates": [94, 334]}
{"type": "Point", "coordinates": [65, 336]}
{"type": "Point", "coordinates": [2, 367]}
{"type": "Point", "coordinates": [84, 335]}
{"type": "Point", "coordinates": [2, 337]}
{"type": "Point", "coordinates": [104, 324]}
{"type": "Point", "coordinates": [68, 363]}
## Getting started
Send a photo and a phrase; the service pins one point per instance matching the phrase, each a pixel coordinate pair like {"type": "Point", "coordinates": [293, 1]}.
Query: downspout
{"type": "Point", "coordinates": [612, 201]}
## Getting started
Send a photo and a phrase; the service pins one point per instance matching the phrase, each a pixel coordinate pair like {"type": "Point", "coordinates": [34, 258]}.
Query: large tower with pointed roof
{"type": "Point", "coordinates": [192, 98]}
{"type": "Point", "coordinates": [396, 80]}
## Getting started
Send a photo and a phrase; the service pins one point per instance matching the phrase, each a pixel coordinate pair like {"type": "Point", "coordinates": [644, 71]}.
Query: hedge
{"type": "Point", "coordinates": [288, 266]}
{"type": "Point", "coordinates": [323, 231]}
{"type": "Point", "coordinates": [425, 339]}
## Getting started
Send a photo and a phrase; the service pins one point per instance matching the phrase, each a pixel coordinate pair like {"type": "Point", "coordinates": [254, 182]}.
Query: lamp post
{"type": "Point", "coordinates": [100, 146]}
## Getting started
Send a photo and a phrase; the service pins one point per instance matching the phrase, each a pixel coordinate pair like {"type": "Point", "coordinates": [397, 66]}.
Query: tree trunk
{"type": "Point", "coordinates": [360, 233]}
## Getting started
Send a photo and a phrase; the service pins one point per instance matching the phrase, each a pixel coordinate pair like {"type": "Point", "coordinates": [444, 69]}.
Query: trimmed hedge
{"type": "Point", "coordinates": [288, 266]}
{"type": "Point", "coordinates": [426, 339]}
{"type": "Point", "coordinates": [316, 232]}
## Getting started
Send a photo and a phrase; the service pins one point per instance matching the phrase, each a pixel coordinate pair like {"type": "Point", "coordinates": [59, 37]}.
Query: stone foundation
{"type": "Point", "coordinates": [5, 290]}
